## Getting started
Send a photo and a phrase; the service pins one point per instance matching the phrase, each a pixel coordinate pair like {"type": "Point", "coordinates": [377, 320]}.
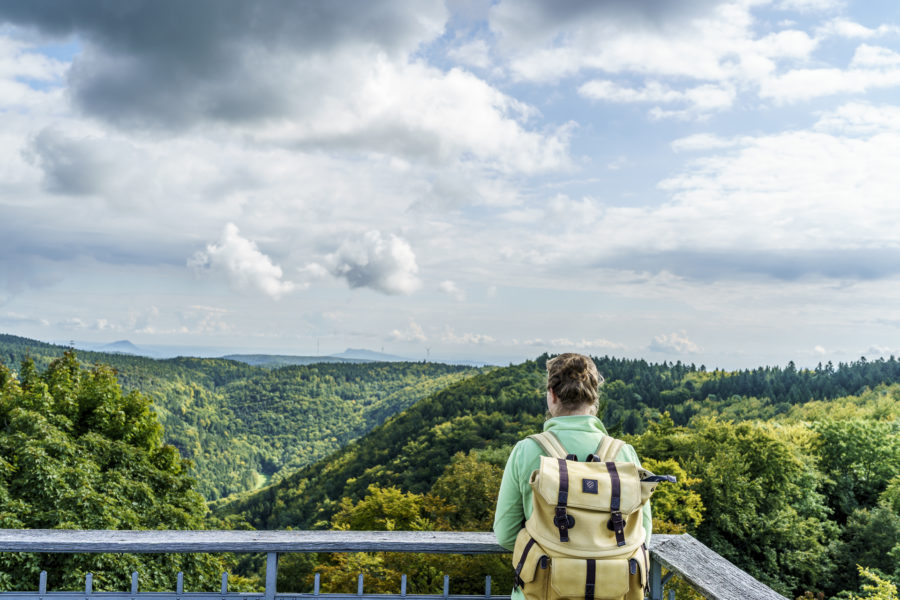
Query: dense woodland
{"type": "Point", "coordinates": [243, 426]}
{"type": "Point", "coordinates": [792, 474]}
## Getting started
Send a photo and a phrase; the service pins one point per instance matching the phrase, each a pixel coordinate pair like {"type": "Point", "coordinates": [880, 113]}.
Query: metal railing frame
{"type": "Point", "coordinates": [707, 572]}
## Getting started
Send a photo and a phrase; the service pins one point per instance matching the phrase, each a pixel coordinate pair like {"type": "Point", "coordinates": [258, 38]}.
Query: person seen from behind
{"type": "Point", "coordinates": [573, 384]}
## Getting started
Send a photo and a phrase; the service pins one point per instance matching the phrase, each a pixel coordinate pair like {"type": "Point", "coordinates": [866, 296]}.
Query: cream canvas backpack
{"type": "Point", "coordinates": [585, 537]}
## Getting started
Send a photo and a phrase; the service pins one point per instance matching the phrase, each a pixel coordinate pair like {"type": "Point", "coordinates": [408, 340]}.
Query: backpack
{"type": "Point", "coordinates": [585, 537]}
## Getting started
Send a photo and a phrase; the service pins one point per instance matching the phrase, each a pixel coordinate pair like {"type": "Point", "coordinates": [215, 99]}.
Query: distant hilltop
{"type": "Point", "coordinates": [350, 355]}
{"type": "Point", "coordinates": [362, 354]}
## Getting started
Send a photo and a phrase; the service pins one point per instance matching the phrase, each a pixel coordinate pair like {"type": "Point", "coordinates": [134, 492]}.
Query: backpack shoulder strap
{"type": "Point", "coordinates": [549, 443]}
{"type": "Point", "coordinates": [609, 448]}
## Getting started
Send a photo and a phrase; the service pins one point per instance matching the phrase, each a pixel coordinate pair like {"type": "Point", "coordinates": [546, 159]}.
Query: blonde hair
{"type": "Point", "coordinates": [574, 379]}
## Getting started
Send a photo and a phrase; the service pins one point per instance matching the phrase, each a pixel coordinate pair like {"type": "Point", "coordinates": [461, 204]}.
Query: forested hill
{"type": "Point", "coordinates": [409, 450]}
{"type": "Point", "coordinates": [795, 491]}
{"type": "Point", "coordinates": [492, 409]}
{"type": "Point", "coordinates": [243, 426]}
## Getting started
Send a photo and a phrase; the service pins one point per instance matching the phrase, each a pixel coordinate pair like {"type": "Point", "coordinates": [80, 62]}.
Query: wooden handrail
{"type": "Point", "coordinates": [710, 574]}
{"type": "Point", "coordinates": [280, 541]}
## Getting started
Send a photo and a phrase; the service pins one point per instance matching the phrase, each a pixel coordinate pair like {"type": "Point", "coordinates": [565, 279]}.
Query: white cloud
{"type": "Point", "coordinates": [699, 99]}
{"type": "Point", "coordinates": [425, 115]}
{"type": "Point", "coordinates": [857, 118]}
{"type": "Point", "coordinates": [700, 41]}
{"type": "Point", "coordinates": [872, 67]}
{"type": "Point", "coordinates": [141, 321]}
{"type": "Point", "coordinates": [413, 333]}
{"type": "Point", "coordinates": [819, 190]}
{"type": "Point", "coordinates": [15, 319]}
{"type": "Point", "coordinates": [475, 53]}
{"type": "Point", "coordinates": [384, 264]}
{"type": "Point", "coordinates": [674, 343]}
{"type": "Point", "coordinates": [820, 350]}
{"type": "Point", "coordinates": [874, 56]}
{"type": "Point", "coordinates": [450, 288]}
{"type": "Point", "coordinates": [881, 351]}
{"type": "Point", "coordinates": [243, 263]}
{"type": "Point", "coordinates": [702, 141]}
{"type": "Point", "coordinates": [199, 320]}
{"type": "Point", "coordinates": [810, 5]}
{"type": "Point", "coordinates": [449, 337]}
{"type": "Point", "coordinates": [849, 29]}
{"type": "Point", "coordinates": [19, 63]}
{"type": "Point", "coordinates": [582, 344]}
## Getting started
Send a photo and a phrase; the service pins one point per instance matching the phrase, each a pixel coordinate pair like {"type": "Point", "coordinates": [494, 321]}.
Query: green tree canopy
{"type": "Point", "coordinates": [78, 453]}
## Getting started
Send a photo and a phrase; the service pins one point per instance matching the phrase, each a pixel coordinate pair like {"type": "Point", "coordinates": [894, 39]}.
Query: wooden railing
{"type": "Point", "coordinates": [704, 570]}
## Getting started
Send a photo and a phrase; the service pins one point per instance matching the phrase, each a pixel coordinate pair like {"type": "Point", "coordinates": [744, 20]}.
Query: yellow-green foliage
{"type": "Point", "coordinates": [879, 404]}
{"type": "Point", "coordinates": [875, 588]}
{"type": "Point", "coordinates": [677, 508]}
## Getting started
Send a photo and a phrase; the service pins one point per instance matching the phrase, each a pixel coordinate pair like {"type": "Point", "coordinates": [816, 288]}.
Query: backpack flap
{"type": "Point", "coordinates": [649, 481]}
{"type": "Point", "coordinates": [579, 578]}
{"type": "Point", "coordinates": [590, 485]}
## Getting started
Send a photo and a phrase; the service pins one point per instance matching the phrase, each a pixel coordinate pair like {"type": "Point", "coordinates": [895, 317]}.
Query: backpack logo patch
{"type": "Point", "coordinates": [589, 486]}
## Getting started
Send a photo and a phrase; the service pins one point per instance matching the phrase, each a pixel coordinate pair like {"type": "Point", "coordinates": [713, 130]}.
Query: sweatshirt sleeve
{"type": "Point", "coordinates": [628, 454]}
{"type": "Point", "coordinates": [510, 513]}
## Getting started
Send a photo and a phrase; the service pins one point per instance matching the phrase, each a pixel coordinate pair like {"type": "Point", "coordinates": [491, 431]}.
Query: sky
{"type": "Point", "coordinates": [704, 181]}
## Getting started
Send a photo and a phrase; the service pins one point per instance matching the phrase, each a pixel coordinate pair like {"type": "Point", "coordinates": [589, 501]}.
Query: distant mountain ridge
{"type": "Point", "coordinates": [363, 354]}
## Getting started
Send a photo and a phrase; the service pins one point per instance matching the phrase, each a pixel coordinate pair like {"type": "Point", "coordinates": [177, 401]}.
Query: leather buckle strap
{"type": "Point", "coordinates": [518, 579]}
{"type": "Point", "coordinates": [563, 521]}
{"type": "Point", "coordinates": [616, 523]}
{"type": "Point", "coordinates": [590, 579]}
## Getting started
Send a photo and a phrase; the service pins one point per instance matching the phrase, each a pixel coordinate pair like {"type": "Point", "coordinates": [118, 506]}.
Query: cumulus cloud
{"type": "Point", "coordinates": [142, 321]}
{"type": "Point", "coordinates": [852, 30]}
{"type": "Point", "coordinates": [711, 41]}
{"type": "Point", "coordinates": [250, 65]}
{"type": "Point", "coordinates": [702, 141]}
{"type": "Point", "coordinates": [81, 165]}
{"type": "Point", "coordinates": [698, 99]}
{"type": "Point", "coordinates": [882, 351]}
{"type": "Point", "coordinates": [872, 67]}
{"type": "Point", "coordinates": [413, 333]}
{"type": "Point", "coordinates": [242, 263]}
{"type": "Point", "coordinates": [776, 204]}
{"type": "Point", "coordinates": [674, 343]}
{"type": "Point", "coordinates": [218, 55]}
{"type": "Point", "coordinates": [385, 264]}
{"type": "Point", "coordinates": [475, 53]}
{"type": "Point", "coordinates": [200, 319]}
{"type": "Point", "coordinates": [451, 289]}
{"type": "Point", "coordinates": [450, 337]}
{"type": "Point", "coordinates": [582, 344]}
{"type": "Point", "coordinates": [16, 319]}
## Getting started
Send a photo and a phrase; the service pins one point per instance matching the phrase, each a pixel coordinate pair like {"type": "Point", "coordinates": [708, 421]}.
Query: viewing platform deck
{"type": "Point", "coordinates": [704, 570]}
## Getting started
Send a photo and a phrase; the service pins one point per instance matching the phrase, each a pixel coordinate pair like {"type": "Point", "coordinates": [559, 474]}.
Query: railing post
{"type": "Point", "coordinates": [134, 583]}
{"type": "Point", "coordinates": [656, 587]}
{"type": "Point", "coordinates": [271, 574]}
{"type": "Point", "coordinates": [42, 584]}
{"type": "Point", "coordinates": [88, 584]}
{"type": "Point", "coordinates": [224, 583]}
